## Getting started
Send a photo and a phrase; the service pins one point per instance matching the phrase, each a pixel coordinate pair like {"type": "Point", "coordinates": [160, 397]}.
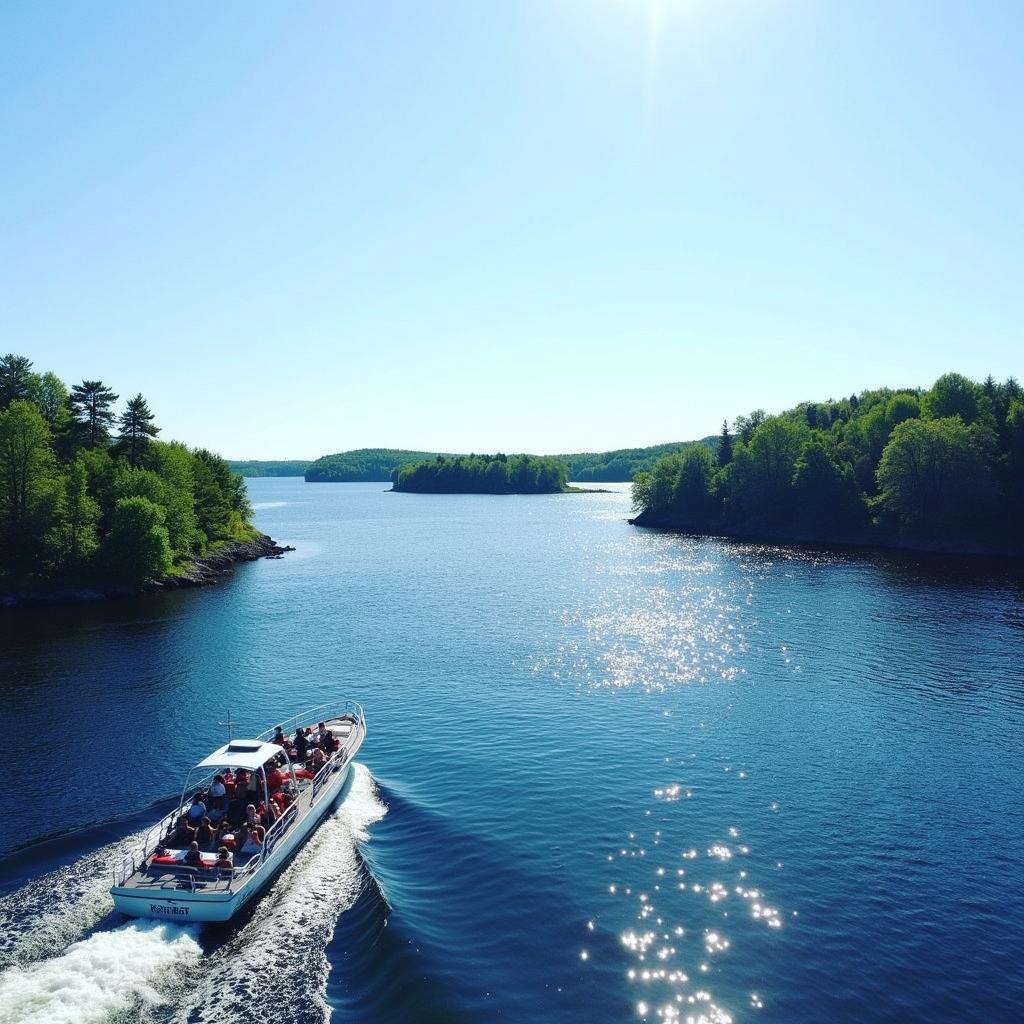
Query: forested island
{"type": "Point", "coordinates": [90, 498]}
{"type": "Point", "coordinates": [483, 474]}
{"type": "Point", "coordinates": [940, 469]}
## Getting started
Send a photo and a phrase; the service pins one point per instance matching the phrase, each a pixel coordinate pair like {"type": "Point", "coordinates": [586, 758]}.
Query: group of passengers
{"type": "Point", "coordinates": [308, 743]}
{"type": "Point", "coordinates": [232, 814]}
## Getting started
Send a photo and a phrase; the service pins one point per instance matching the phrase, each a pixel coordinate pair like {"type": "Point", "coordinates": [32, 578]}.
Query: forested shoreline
{"type": "Point", "coordinates": [940, 468]}
{"type": "Point", "coordinates": [483, 474]}
{"type": "Point", "coordinates": [90, 497]}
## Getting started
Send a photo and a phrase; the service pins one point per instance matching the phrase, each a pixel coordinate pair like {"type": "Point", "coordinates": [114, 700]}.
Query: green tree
{"type": "Point", "coordinates": [935, 477]}
{"type": "Point", "coordinates": [138, 547]}
{"type": "Point", "coordinates": [79, 515]}
{"type": "Point", "coordinates": [92, 404]}
{"type": "Point", "coordinates": [725, 445]}
{"type": "Point", "coordinates": [762, 489]}
{"type": "Point", "coordinates": [953, 395]}
{"type": "Point", "coordinates": [826, 492]}
{"type": "Point", "coordinates": [28, 482]}
{"type": "Point", "coordinates": [16, 379]}
{"type": "Point", "coordinates": [692, 494]}
{"type": "Point", "coordinates": [136, 430]}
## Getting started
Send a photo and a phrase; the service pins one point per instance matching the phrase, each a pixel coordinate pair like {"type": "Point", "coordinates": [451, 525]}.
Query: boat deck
{"type": "Point", "coordinates": [184, 877]}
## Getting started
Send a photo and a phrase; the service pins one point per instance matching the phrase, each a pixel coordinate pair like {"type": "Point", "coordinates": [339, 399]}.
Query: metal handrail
{"type": "Point", "coordinates": [317, 714]}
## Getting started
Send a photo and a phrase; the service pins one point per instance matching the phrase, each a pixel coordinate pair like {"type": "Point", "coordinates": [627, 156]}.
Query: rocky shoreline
{"type": "Point", "coordinates": [201, 572]}
{"type": "Point", "coordinates": [852, 539]}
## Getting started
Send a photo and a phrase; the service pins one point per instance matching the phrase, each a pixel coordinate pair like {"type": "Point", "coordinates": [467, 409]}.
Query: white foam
{"type": "Point", "coordinates": [109, 972]}
{"type": "Point", "coordinates": [50, 912]}
{"type": "Point", "coordinates": [279, 959]}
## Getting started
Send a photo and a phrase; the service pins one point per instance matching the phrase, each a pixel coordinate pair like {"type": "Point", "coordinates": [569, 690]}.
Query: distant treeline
{"type": "Point", "coordinates": [483, 474]}
{"type": "Point", "coordinates": [943, 465]}
{"type": "Point", "coordinates": [88, 493]}
{"type": "Point", "coordinates": [379, 464]}
{"type": "Point", "coordinates": [624, 463]}
{"type": "Point", "coordinates": [257, 467]}
{"type": "Point", "coordinates": [363, 464]}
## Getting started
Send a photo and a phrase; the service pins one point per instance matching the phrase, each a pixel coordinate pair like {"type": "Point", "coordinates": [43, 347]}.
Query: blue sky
{"type": "Point", "coordinates": [543, 226]}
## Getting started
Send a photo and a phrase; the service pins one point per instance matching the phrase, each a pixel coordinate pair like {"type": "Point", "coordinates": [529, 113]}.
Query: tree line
{"type": "Point", "coordinates": [946, 464]}
{"type": "Point", "coordinates": [88, 493]}
{"type": "Point", "coordinates": [362, 465]}
{"type": "Point", "coordinates": [483, 474]}
{"type": "Point", "coordinates": [621, 464]}
{"type": "Point", "coordinates": [369, 464]}
{"type": "Point", "coordinates": [269, 467]}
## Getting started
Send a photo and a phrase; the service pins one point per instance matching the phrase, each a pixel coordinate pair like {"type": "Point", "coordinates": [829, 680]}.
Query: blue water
{"type": "Point", "coordinates": [610, 775]}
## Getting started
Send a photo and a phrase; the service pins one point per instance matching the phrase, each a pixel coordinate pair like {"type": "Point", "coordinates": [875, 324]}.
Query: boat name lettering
{"type": "Point", "coordinates": [157, 908]}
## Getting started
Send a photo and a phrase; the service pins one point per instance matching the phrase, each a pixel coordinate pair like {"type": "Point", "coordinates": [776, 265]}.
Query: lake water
{"type": "Point", "coordinates": [610, 775]}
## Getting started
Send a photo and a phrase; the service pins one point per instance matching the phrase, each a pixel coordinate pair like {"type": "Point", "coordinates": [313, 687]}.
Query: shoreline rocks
{"type": "Point", "coordinates": [201, 572]}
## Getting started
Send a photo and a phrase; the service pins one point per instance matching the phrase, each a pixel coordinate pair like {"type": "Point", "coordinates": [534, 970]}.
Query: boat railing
{"type": "Point", "coordinates": [324, 712]}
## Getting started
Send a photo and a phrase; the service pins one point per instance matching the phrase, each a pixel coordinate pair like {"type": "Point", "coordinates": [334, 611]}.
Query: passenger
{"type": "Point", "coordinates": [183, 834]}
{"type": "Point", "coordinates": [317, 760]}
{"type": "Point", "coordinates": [223, 859]}
{"type": "Point", "coordinates": [218, 793]}
{"type": "Point", "coordinates": [301, 745]}
{"type": "Point", "coordinates": [322, 734]}
{"type": "Point", "coordinates": [253, 789]}
{"type": "Point", "coordinates": [229, 783]}
{"type": "Point", "coordinates": [197, 811]}
{"type": "Point", "coordinates": [281, 800]}
{"type": "Point", "coordinates": [205, 833]}
{"type": "Point", "coordinates": [279, 737]}
{"type": "Point", "coordinates": [194, 858]}
{"type": "Point", "coordinates": [253, 840]}
{"type": "Point", "coordinates": [250, 815]}
{"type": "Point", "coordinates": [236, 812]}
{"type": "Point", "coordinates": [275, 780]}
{"type": "Point", "coordinates": [332, 744]}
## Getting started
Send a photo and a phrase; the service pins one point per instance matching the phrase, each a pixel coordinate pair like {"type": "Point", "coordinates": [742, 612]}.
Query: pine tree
{"type": "Point", "coordinates": [725, 445]}
{"type": "Point", "coordinates": [16, 379]}
{"type": "Point", "coordinates": [91, 403]}
{"type": "Point", "coordinates": [137, 428]}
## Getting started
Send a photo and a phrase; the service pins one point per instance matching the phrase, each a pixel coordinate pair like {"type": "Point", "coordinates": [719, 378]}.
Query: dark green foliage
{"type": "Point", "coordinates": [73, 510]}
{"type": "Point", "coordinates": [725, 445]}
{"type": "Point", "coordinates": [945, 464]}
{"type": "Point", "coordinates": [139, 546]}
{"type": "Point", "coordinates": [292, 467]}
{"type": "Point", "coordinates": [692, 492]}
{"type": "Point", "coordinates": [136, 430]}
{"type": "Point", "coordinates": [92, 405]}
{"type": "Point", "coordinates": [16, 379]}
{"type": "Point", "coordinates": [935, 477]}
{"type": "Point", "coordinates": [483, 474]}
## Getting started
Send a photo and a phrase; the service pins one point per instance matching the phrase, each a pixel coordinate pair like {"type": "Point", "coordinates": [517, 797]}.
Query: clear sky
{"type": "Point", "coordinates": [545, 226]}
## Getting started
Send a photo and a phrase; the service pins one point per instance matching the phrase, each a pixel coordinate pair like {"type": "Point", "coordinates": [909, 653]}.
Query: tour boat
{"type": "Point", "coordinates": [158, 883]}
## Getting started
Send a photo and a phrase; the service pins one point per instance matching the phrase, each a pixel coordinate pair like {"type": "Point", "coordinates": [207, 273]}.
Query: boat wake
{"type": "Point", "coordinates": [154, 971]}
{"type": "Point", "coordinates": [278, 958]}
{"type": "Point", "coordinates": [109, 974]}
{"type": "Point", "coordinates": [46, 915]}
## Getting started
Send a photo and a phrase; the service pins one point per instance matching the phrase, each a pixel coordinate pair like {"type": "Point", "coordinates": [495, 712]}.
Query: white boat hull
{"type": "Point", "coordinates": [184, 906]}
